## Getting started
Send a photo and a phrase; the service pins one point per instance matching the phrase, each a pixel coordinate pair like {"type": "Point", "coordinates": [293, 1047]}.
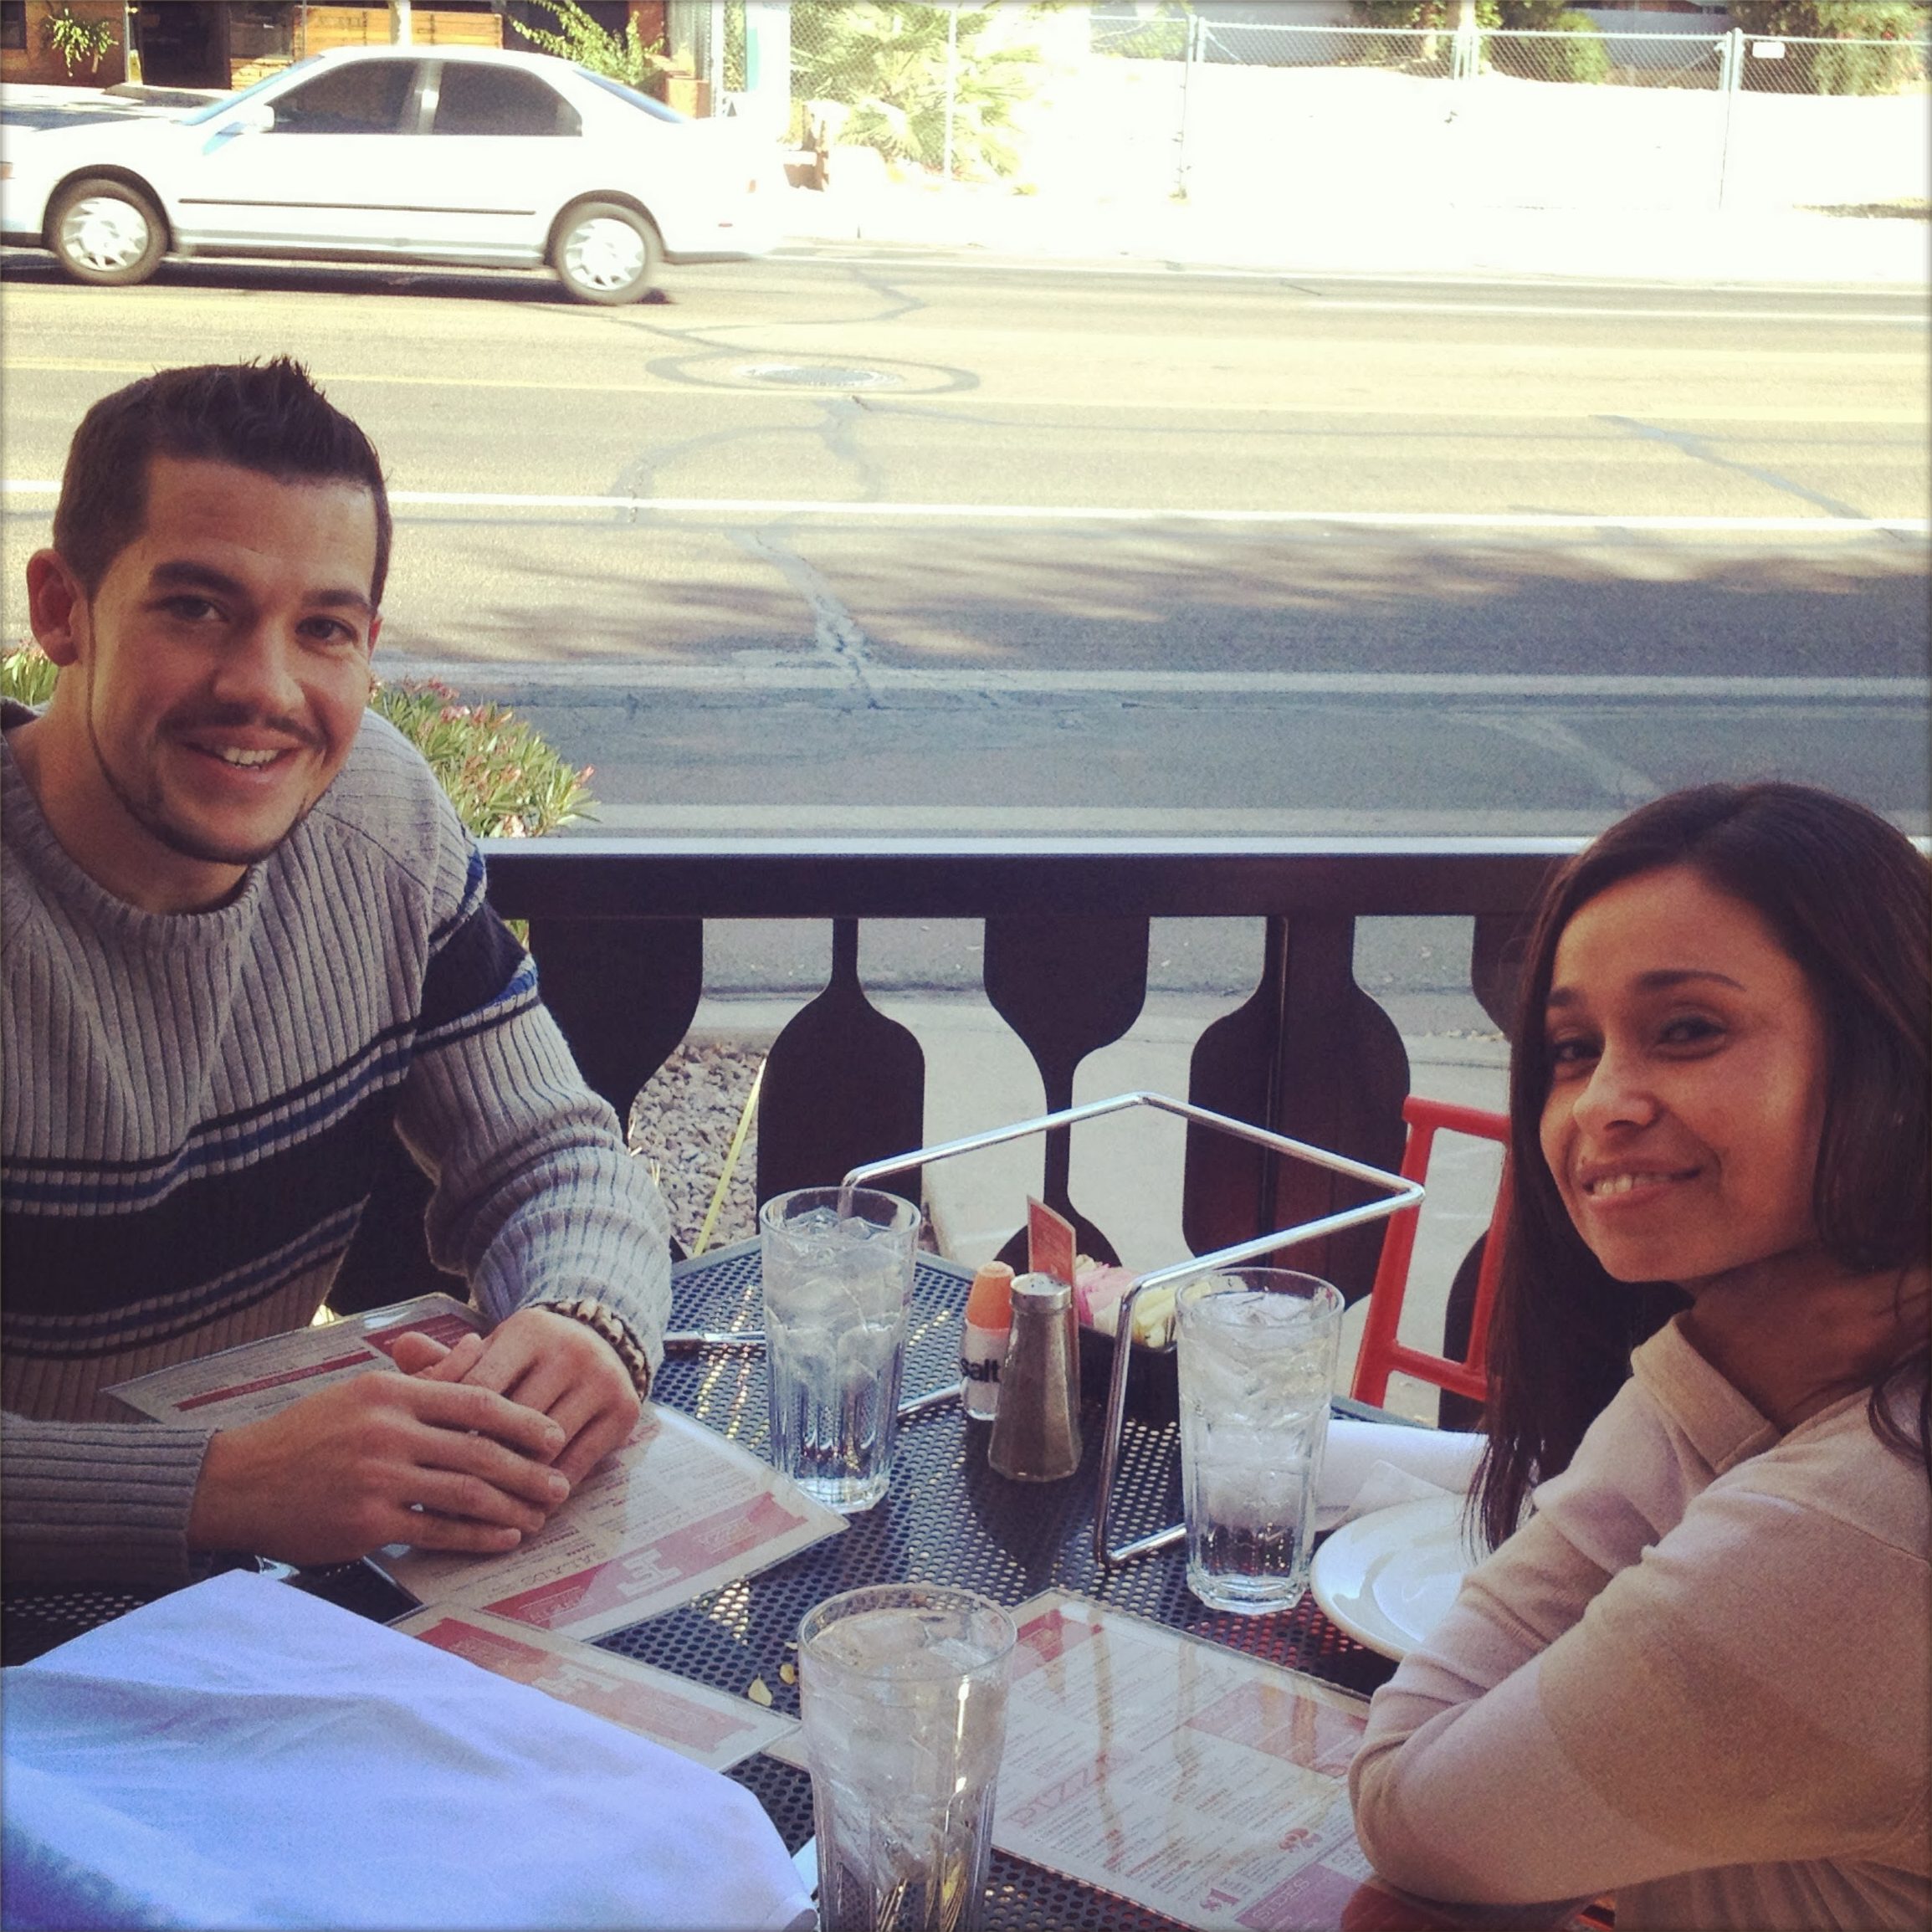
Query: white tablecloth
{"type": "Point", "coordinates": [241, 1753]}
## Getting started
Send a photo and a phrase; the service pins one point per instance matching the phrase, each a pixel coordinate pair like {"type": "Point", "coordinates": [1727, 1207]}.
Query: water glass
{"type": "Point", "coordinates": [1258, 1348]}
{"type": "Point", "coordinates": [903, 1688]}
{"type": "Point", "coordinates": [838, 1275]}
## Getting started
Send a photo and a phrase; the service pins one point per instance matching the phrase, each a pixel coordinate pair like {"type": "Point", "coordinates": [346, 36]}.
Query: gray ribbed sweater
{"type": "Point", "coordinates": [193, 1108]}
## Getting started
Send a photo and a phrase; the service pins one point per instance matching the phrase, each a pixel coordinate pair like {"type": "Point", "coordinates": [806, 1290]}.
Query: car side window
{"type": "Point", "coordinates": [478, 98]}
{"type": "Point", "coordinates": [364, 97]}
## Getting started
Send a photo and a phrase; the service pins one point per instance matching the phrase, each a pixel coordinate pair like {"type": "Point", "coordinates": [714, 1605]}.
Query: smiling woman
{"type": "Point", "coordinates": [1719, 1118]}
{"type": "Point", "coordinates": [1823, 907]}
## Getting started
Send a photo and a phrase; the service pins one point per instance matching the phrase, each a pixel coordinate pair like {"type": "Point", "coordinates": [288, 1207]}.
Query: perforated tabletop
{"type": "Point", "coordinates": [948, 1518]}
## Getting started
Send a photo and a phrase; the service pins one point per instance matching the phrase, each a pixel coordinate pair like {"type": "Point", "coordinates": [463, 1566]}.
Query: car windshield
{"type": "Point", "coordinates": [655, 109]}
{"type": "Point", "coordinates": [229, 102]}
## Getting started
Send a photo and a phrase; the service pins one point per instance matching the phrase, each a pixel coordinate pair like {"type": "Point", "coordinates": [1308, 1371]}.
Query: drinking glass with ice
{"type": "Point", "coordinates": [903, 1688]}
{"type": "Point", "coordinates": [1257, 1354]}
{"type": "Point", "coordinates": [838, 1277]}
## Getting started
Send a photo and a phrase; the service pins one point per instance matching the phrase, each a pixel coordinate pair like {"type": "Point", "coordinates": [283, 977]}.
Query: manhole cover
{"type": "Point", "coordinates": [816, 376]}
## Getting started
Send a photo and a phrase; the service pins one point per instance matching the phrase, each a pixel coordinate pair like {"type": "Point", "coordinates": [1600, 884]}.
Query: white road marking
{"type": "Point", "coordinates": [725, 506]}
{"type": "Point", "coordinates": [1166, 270]}
{"type": "Point", "coordinates": [1050, 826]}
{"type": "Point", "coordinates": [1903, 415]}
{"type": "Point", "coordinates": [1114, 513]}
{"type": "Point", "coordinates": [1917, 319]}
{"type": "Point", "coordinates": [816, 674]}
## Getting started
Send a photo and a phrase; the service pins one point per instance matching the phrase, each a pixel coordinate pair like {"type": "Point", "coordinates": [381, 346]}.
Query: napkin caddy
{"type": "Point", "coordinates": [1153, 1396]}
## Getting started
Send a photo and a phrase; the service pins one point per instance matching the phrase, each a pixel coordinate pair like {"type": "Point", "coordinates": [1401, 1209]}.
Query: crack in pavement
{"type": "Point", "coordinates": [1699, 450]}
{"type": "Point", "coordinates": [837, 635]}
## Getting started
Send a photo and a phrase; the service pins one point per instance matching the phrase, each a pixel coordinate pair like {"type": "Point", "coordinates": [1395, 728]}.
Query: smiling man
{"type": "Point", "coordinates": [246, 941]}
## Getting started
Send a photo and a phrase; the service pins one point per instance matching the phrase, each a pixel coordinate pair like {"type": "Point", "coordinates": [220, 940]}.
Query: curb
{"type": "Point", "coordinates": [1745, 247]}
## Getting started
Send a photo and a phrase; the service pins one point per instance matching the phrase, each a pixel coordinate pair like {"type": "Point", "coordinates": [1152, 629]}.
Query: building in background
{"type": "Point", "coordinates": [225, 44]}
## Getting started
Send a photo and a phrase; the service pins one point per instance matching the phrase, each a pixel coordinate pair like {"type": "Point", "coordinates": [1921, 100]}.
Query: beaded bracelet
{"type": "Point", "coordinates": [600, 1322]}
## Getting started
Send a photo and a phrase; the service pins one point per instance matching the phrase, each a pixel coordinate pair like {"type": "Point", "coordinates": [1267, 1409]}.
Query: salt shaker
{"type": "Point", "coordinates": [1036, 1435]}
{"type": "Point", "coordinates": [983, 1339]}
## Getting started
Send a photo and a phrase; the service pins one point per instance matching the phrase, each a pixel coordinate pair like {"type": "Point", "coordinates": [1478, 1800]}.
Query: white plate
{"type": "Point", "coordinates": [1388, 1578]}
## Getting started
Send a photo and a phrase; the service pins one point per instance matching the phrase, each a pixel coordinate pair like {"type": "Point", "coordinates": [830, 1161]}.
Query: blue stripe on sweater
{"type": "Point", "coordinates": [481, 949]}
{"type": "Point", "coordinates": [127, 1187]}
{"type": "Point", "coordinates": [207, 1229]}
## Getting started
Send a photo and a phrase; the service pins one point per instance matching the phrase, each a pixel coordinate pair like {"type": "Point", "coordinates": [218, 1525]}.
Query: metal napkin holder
{"type": "Point", "coordinates": [1401, 1193]}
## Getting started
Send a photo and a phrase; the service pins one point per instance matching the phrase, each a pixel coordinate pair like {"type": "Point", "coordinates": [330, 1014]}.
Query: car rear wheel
{"type": "Point", "coordinates": [104, 231]}
{"type": "Point", "coordinates": [606, 252]}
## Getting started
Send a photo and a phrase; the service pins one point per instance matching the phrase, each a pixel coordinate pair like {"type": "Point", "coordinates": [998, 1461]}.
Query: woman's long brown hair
{"type": "Point", "coordinates": [1850, 899]}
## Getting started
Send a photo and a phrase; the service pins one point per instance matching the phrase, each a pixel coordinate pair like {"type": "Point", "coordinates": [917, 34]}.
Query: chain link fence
{"type": "Point", "coordinates": [1116, 101]}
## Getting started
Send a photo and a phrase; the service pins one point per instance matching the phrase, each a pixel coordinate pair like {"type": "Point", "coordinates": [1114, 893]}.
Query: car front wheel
{"type": "Point", "coordinates": [606, 252]}
{"type": "Point", "coordinates": [106, 232]}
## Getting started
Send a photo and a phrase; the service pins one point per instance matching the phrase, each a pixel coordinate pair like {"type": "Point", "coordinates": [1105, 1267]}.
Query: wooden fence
{"type": "Point", "coordinates": [618, 929]}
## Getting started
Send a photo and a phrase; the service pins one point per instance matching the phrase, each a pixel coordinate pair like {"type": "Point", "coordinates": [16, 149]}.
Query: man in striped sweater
{"type": "Point", "coordinates": [244, 942]}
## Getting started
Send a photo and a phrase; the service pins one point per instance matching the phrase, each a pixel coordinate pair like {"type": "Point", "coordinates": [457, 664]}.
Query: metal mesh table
{"type": "Point", "coordinates": [948, 1518]}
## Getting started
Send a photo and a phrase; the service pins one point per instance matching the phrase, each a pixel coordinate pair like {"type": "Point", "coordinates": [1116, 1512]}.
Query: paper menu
{"type": "Point", "coordinates": [708, 1726]}
{"type": "Point", "coordinates": [675, 1512]}
{"type": "Point", "coordinates": [1194, 1780]}
{"type": "Point", "coordinates": [255, 1379]}
{"type": "Point", "coordinates": [1200, 1783]}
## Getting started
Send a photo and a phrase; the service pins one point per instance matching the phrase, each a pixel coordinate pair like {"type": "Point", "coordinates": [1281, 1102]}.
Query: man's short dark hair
{"type": "Point", "coordinates": [267, 417]}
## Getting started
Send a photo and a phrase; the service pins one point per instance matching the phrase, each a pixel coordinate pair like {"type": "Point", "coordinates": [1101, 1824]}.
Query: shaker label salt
{"type": "Point", "coordinates": [983, 1341]}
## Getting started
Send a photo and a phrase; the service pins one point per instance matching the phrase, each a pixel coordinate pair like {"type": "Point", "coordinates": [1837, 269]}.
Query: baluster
{"type": "Point", "coordinates": [1067, 988]}
{"type": "Point", "coordinates": [1344, 1074]}
{"type": "Point", "coordinates": [843, 1085]}
{"type": "Point", "coordinates": [623, 991]}
{"type": "Point", "coordinates": [1228, 1189]}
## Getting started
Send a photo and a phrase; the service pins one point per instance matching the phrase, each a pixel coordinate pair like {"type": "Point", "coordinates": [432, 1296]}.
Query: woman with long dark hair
{"type": "Point", "coordinates": [1695, 1672]}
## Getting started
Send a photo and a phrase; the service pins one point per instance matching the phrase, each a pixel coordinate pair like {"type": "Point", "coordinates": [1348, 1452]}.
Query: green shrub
{"type": "Point", "coordinates": [75, 40]}
{"type": "Point", "coordinates": [27, 675]}
{"type": "Point", "coordinates": [577, 37]}
{"type": "Point", "coordinates": [1162, 36]}
{"type": "Point", "coordinates": [887, 62]}
{"type": "Point", "coordinates": [1836, 68]}
{"type": "Point", "coordinates": [504, 780]}
{"type": "Point", "coordinates": [1579, 55]}
{"type": "Point", "coordinates": [1833, 67]}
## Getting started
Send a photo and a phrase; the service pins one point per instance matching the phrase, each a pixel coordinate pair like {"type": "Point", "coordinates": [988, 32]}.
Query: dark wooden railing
{"type": "Point", "coordinates": [618, 931]}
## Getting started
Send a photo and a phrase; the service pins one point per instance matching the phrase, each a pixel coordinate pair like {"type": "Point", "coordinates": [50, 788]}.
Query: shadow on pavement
{"type": "Point", "coordinates": [507, 286]}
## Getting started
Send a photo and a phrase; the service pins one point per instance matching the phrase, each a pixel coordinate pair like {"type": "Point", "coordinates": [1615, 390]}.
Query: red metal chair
{"type": "Point", "coordinates": [1381, 1355]}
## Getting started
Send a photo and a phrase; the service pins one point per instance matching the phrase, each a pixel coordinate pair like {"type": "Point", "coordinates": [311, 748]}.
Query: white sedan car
{"type": "Point", "coordinates": [409, 154]}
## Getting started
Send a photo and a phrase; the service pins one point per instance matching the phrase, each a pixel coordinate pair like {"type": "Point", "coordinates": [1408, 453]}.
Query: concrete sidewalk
{"type": "Point", "coordinates": [1693, 247]}
{"type": "Point", "coordinates": [1126, 1168]}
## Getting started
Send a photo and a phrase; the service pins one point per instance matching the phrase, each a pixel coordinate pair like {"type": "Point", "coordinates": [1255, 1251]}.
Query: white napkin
{"type": "Point", "coordinates": [242, 1753]}
{"type": "Point", "coordinates": [1370, 1466]}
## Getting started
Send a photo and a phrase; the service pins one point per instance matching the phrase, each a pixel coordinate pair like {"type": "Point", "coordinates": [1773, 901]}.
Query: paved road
{"type": "Point", "coordinates": [846, 545]}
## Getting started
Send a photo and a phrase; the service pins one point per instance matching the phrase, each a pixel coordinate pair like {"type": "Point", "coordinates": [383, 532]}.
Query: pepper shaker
{"type": "Point", "coordinates": [1036, 1435]}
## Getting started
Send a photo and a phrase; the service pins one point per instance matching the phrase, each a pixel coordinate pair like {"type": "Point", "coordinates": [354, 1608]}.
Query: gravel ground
{"type": "Point", "coordinates": [683, 1124]}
